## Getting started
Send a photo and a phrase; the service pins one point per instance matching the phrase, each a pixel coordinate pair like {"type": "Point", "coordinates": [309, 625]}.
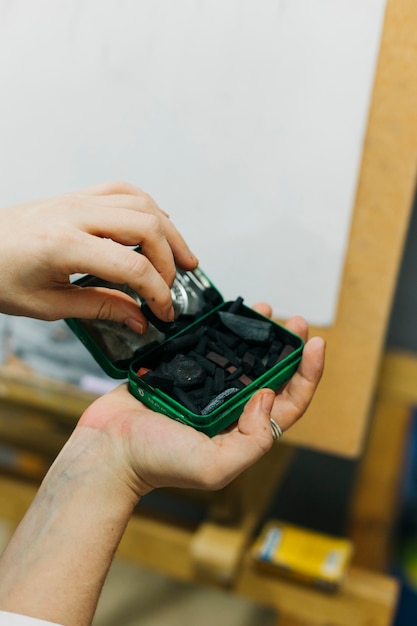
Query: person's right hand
{"type": "Point", "coordinates": [90, 232]}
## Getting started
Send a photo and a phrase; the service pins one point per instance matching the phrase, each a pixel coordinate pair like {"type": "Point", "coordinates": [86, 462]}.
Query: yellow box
{"type": "Point", "coordinates": [307, 556]}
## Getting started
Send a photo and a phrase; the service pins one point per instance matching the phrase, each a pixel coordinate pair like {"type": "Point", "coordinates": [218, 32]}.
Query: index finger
{"type": "Point", "coordinates": [120, 194]}
{"type": "Point", "coordinates": [116, 263]}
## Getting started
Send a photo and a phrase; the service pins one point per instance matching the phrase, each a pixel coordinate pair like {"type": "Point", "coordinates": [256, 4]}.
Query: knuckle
{"type": "Point", "coordinates": [72, 201]}
{"type": "Point", "coordinates": [149, 202]}
{"type": "Point", "coordinates": [140, 267]}
{"type": "Point", "coordinates": [169, 274]}
{"type": "Point", "coordinates": [153, 225]}
{"type": "Point", "coordinates": [105, 310]}
{"type": "Point", "coordinates": [164, 297]}
{"type": "Point", "coordinates": [137, 264]}
{"type": "Point", "coordinates": [53, 244]}
{"type": "Point", "coordinates": [120, 186]}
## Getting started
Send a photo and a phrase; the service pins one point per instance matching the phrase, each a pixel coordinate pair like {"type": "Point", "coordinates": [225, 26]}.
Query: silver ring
{"type": "Point", "coordinates": [276, 430]}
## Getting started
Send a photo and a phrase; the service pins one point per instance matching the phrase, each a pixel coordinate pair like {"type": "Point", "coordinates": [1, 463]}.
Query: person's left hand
{"type": "Point", "coordinates": [149, 450]}
{"type": "Point", "coordinates": [56, 562]}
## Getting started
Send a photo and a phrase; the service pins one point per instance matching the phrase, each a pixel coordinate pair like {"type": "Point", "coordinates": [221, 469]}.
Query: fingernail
{"type": "Point", "coordinates": [134, 325]}
{"type": "Point", "coordinates": [268, 399]}
{"type": "Point", "coordinates": [168, 317]}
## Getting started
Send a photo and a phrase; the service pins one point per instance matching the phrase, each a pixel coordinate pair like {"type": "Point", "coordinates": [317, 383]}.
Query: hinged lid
{"type": "Point", "coordinates": [114, 345]}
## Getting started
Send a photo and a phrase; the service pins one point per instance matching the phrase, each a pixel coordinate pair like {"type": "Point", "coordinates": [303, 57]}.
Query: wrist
{"type": "Point", "coordinates": [92, 462]}
{"type": "Point", "coordinates": [111, 424]}
{"type": "Point", "coordinates": [68, 537]}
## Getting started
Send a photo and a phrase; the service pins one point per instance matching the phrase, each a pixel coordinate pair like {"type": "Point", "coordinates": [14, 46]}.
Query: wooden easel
{"type": "Point", "coordinates": [338, 421]}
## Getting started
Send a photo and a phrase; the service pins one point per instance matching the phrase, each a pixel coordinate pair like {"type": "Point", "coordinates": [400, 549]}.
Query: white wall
{"type": "Point", "coordinates": [244, 119]}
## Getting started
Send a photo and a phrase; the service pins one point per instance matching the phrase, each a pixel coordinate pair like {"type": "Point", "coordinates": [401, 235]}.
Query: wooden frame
{"type": "Point", "coordinates": [337, 419]}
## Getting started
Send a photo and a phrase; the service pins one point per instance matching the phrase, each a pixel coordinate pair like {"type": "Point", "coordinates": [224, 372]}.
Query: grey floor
{"type": "Point", "coordinates": [134, 596]}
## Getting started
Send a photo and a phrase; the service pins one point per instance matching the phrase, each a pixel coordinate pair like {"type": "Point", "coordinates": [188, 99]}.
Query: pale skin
{"type": "Point", "coordinates": [44, 242]}
{"type": "Point", "coordinates": [56, 562]}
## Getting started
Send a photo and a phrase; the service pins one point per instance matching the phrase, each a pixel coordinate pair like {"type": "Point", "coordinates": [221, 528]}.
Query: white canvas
{"type": "Point", "coordinates": [245, 120]}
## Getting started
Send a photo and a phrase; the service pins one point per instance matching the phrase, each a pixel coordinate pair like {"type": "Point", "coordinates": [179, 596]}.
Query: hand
{"type": "Point", "coordinates": [119, 451]}
{"type": "Point", "coordinates": [89, 232]}
{"type": "Point", "coordinates": [149, 450]}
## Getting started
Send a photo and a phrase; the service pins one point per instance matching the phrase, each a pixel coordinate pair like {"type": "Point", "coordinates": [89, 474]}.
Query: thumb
{"type": "Point", "coordinates": [246, 443]}
{"type": "Point", "coordinates": [242, 446]}
{"type": "Point", "coordinates": [255, 419]}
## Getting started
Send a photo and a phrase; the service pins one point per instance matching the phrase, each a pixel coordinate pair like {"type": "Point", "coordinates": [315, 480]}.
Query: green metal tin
{"type": "Point", "coordinates": [122, 353]}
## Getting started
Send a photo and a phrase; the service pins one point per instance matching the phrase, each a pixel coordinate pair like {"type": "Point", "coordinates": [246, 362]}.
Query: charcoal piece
{"type": "Point", "coordinates": [218, 359]}
{"type": "Point", "coordinates": [225, 351]}
{"type": "Point", "coordinates": [271, 359]}
{"type": "Point", "coordinates": [184, 398]}
{"type": "Point", "coordinates": [209, 366]}
{"type": "Point", "coordinates": [218, 380]}
{"type": "Point", "coordinates": [238, 384]}
{"type": "Point", "coordinates": [245, 380]}
{"type": "Point", "coordinates": [184, 371]}
{"type": "Point", "coordinates": [248, 361]}
{"type": "Point", "coordinates": [197, 395]}
{"type": "Point", "coordinates": [234, 374]}
{"type": "Point", "coordinates": [285, 352]}
{"type": "Point", "coordinates": [229, 354]}
{"type": "Point", "coordinates": [201, 346]}
{"type": "Point", "coordinates": [235, 306]}
{"type": "Point", "coordinates": [273, 354]}
{"type": "Point", "coordinates": [208, 391]}
{"type": "Point", "coordinates": [219, 400]}
{"type": "Point", "coordinates": [241, 349]}
{"type": "Point", "coordinates": [260, 351]}
{"type": "Point", "coordinates": [226, 339]}
{"type": "Point", "coordinates": [201, 395]}
{"type": "Point", "coordinates": [212, 333]}
{"type": "Point", "coordinates": [259, 369]}
{"type": "Point", "coordinates": [182, 322]}
{"type": "Point", "coordinates": [248, 328]}
{"type": "Point", "coordinates": [183, 343]}
{"type": "Point", "coordinates": [158, 381]}
{"type": "Point", "coordinates": [276, 346]}
{"type": "Point", "coordinates": [200, 330]}
{"type": "Point", "coordinates": [163, 327]}
{"type": "Point", "coordinates": [142, 371]}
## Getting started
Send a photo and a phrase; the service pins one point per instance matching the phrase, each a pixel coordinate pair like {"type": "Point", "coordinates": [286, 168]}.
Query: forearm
{"type": "Point", "coordinates": [57, 561]}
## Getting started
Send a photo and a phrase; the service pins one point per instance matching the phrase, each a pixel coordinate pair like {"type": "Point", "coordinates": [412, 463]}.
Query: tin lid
{"type": "Point", "coordinates": [114, 345]}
